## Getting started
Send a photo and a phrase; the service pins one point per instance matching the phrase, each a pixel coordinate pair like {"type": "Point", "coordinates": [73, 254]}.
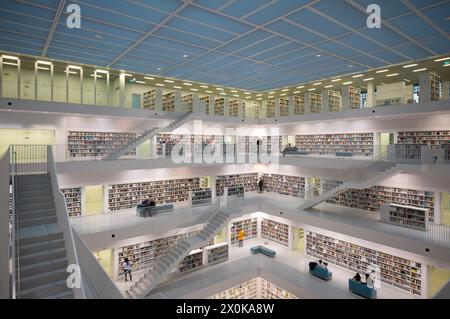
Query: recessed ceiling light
{"type": "Point", "coordinates": [220, 89]}
{"type": "Point", "coordinates": [442, 59]}
{"type": "Point", "coordinates": [233, 91]}
{"type": "Point", "coordinates": [159, 69]}
{"type": "Point", "coordinates": [236, 95]}
{"type": "Point", "coordinates": [318, 83]}
{"type": "Point", "coordinates": [209, 91]}
{"type": "Point", "coordinates": [368, 79]}
{"type": "Point", "coordinates": [140, 82]}
{"type": "Point", "coordinates": [148, 78]}
{"type": "Point", "coordinates": [300, 87]}
{"type": "Point", "coordinates": [283, 94]}
{"type": "Point", "coordinates": [347, 83]}
{"type": "Point", "coordinates": [350, 66]}
{"type": "Point", "coordinates": [188, 84]}
{"type": "Point", "coordinates": [420, 70]}
{"type": "Point", "coordinates": [259, 95]}
{"type": "Point", "coordinates": [284, 90]}
{"type": "Point", "coordinates": [410, 65]}
{"type": "Point", "coordinates": [296, 92]}
{"type": "Point", "coordinates": [270, 97]}
{"type": "Point", "coordinates": [358, 76]}
{"type": "Point", "coordinates": [185, 55]}
{"type": "Point", "coordinates": [247, 93]}
{"type": "Point", "coordinates": [313, 89]}
{"type": "Point", "coordinates": [382, 71]}
{"type": "Point", "coordinates": [178, 87]}
{"type": "Point", "coordinates": [222, 93]}
{"type": "Point", "coordinates": [169, 81]}
{"type": "Point", "coordinates": [204, 86]}
{"type": "Point", "coordinates": [195, 90]}
{"type": "Point", "coordinates": [336, 80]}
{"type": "Point", "coordinates": [271, 92]}
{"type": "Point", "coordinates": [391, 75]}
{"type": "Point", "coordinates": [259, 99]}
{"type": "Point", "coordinates": [159, 84]}
{"type": "Point", "coordinates": [318, 55]}
{"type": "Point", "coordinates": [328, 86]}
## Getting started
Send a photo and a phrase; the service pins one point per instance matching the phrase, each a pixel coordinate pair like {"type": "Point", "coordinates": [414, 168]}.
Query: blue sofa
{"type": "Point", "coordinates": [263, 250]}
{"type": "Point", "coordinates": [362, 290]}
{"type": "Point", "coordinates": [148, 211]}
{"type": "Point", "coordinates": [322, 273]}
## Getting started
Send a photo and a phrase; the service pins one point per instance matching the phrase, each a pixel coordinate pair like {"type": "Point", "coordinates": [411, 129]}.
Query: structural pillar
{"type": "Point", "coordinates": [445, 90]}
{"type": "Point", "coordinates": [325, 103]}
{"type": "Point", "coordinates": [425, 87]}
{"type": "Point", "coordinates": [307, 101]}
{"type": "Point", "coordinates": [370, 97]}
{"type": "Point", "coordinates": [345, 98]}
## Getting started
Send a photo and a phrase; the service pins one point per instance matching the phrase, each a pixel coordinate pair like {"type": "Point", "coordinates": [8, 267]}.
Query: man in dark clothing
{"type": "Point", "coordinates": [260, 185]}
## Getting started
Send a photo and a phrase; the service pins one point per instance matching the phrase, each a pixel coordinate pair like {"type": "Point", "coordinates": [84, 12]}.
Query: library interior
{"type": "Point", "coordinates": [226, 149]}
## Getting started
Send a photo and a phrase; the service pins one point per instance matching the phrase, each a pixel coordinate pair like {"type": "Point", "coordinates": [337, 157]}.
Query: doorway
{"type": "Point", "coordinates": [385, 140]}
{"type": "Point", "coordinates": [445, 208]}
{"type": "Point", "coordinates": [93, 200]}
{"type": "Point", "coordinates": [104, 257]}
{"type": "Point", "coordinates": [298, 239]}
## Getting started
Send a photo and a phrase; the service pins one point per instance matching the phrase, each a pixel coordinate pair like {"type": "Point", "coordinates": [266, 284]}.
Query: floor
{"type": "Point", "coordinates": [294, 278]}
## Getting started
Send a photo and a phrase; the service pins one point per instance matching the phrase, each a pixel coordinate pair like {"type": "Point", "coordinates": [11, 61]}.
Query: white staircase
{"type": "Point", "coordinates": [173, 257]}
{"type": "Point", "coordinates": [146, 135]}
{"type": "Point", "coordinates": [389, 170]}
{"type": "Point", "coordinates": [40, 260]}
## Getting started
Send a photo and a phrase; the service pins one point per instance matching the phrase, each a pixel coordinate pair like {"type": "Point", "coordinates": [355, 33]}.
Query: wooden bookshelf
{"type": "Point", "coordinates": [284, 107]}
{"type": "Point", "coordinates": [219, 106]}
{"type": "Point", "coordinates": [73, 200]}
{"type": "Point", "coordinates": [299, 105]}
{"type": "Point", "coordinates": [97, 144]}
{"type": "Point", "coordinates": [125, 196]}
{"type": "Point", "coordinates": [334, 101]}
{"type": "Point", "coordinates": [272, 291]}
{"type": "Point", "coordinates": [217, 253]}
{"type": "Point", "coordinates": [250, 227]}
{"type": "Point", "coordinates": [188, 101]}
{"type": "Point", "coordinates": [396, 271]}
{"type": "Point", "coordinates": [404, 216]}
{"type": "Point", "coordinates": [275, 231]}
{"type": "Point", "coordinates": [270, 111]}
{"type": "Point", "coordinates": [358, 144]}
{"type": "Point", "coordinates": [371, 199]}
{"type": "Point", "coordinates": [168, 102]}
{"type": "Point", "coordinates": [149, 100]}
{"type": "Point", "coordinates": [316, 102]}
{"type": "Point", "coordinates": [284, 184]}
{"type": "Point", "coordinates": [249, 181]}
{"type": "Point", "coordinates": [246, 290]}
{"type": "Point", "coordinates": [191, 262]}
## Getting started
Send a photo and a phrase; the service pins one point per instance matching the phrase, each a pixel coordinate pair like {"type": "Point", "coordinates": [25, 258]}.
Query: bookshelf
{"type": "Point", "coordinates": [73, 200]}
{"type": "Point", "coordinates": [272, 291]}
{"type": "Point", "coordinates": [430, 138]}
{"type": "Point", "coordinates": [168, 102]}
{"type": "Point", "coordinates": [371, 199]}
{"type": "Point", "coordinates": [191, 262]}
{"type": "Point", "coordinates": [405, 216]}
{"type": "Point", "coordinates": [270, 111]}
{"type": "Point", "coordinates": [284, 107]}
{"type": "Point", "coordinates": [299, 105]}
{"type": "Point", "coordinates": [93, 144]}
{"type": "Point", "coordinates": [201, 197]}
{"type": "Point", "coordinates": [399, 272]}
{"type": "Point", "coordinates": [435, 83]}
{"type": "Point", "coordinates": [249, 181]}
{"type": "Point", "coordinates": [275, 231]}
{"type": "Point", "coordinates": [188, 102]}
{"type": "Point", "coordinates": [217, 253]}
{"type": "Point", "coordinates": [219, 106]}
{"type": "Point", "coordinates": [408, 151]}
{"type": "Point", "coordinates": [316, 102]}
{"type": "Point", "coordinates": [358, 144]}
{"type": "Point", "coordinates": [205, 99]}
{"type": "Point", "coordinates": [354, 96]}
{"type": "Point", "coordinates": [249, 225]}
{"type": "Point", "coordinates": [334, 101]}
{"type": "Point", "coordinates": [234, 108]}
{"type": "Point", "coordinates": [237, 191]}
{"type": "Point", "coordinates": [125, 196]}
{"type": "Point", "coordinates": [149, 102]}
{"type": "Point", "coordinates": [284, 184]}
{"type": "Point", "coordinates": [246, 290]}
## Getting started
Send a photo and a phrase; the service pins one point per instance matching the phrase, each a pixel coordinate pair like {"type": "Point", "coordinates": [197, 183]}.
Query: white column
{"type": "Point", "coordinates": [213, 187]}
{"type": "Point", "coordinates": [195, 103]}
{"type": "Point", "coordinates": [370, 98]}
{"type": "Point", "coordinates": [291, 110]}
{"type": "Point", "coordinates": [158, 99]}
{"type": "Point", "coordinates": [425, 87]}
{"type": "Point", "coordinates": [122, 90]}
{"type": "Point", "coordinates": [345, 98]}
{"type": "Point", "coordinates": [445, 89]}
{"type": "Point", "coordinates": [178, 102]}
{"type": "Point", "coordinates": [212, 100]}
{"type": "Point", "coordinates": [307, 101]}
{"type": "Point", "coordinates": [241, 112]}
{"type": "Point", "coordinates": [437, 207]}
{"type": "Point", "coordinates": [226, 106]}
{"type": "Point", "coordinates": [325, 106]}
{"type": "Point", "coordinates": [277, 107]}
{"type": "Point", "coordinates": [263, 113]}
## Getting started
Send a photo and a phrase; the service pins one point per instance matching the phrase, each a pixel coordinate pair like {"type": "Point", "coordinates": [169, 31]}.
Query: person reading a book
{"type": "Point", "coordinates": [357, 277]}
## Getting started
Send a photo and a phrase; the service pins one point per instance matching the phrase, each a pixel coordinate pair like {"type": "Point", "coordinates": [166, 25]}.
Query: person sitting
{"type": "Point", "coordinates": [369, 281]}
{"type": "Point", "coordinates": [146, 202]}
{"type": "Point", "coordinates": [312, 265]}
{"type": "Point", "coordinates": [325, 265]}
{"type": "Point", "coordinates": [320, 262]}
{"type": "Point", "coordinates": [152, 203]}
{"type": "Point", "coordinates": [357, 277]}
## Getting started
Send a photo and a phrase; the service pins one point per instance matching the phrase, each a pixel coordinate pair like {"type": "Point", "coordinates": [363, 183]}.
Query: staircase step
{"type": "Point", "coordinates": [43, 267]}
{"type": "Point", "coordinates": [37, 214]}
{"type": "Point", "coordinates": [40, 246]}
{"type": "Point", "coordinates": [42, 238]}
{"type": "Point", "coordinates": [37, 221]}
{"type": "Point", "coordinates": [43, 291]}
{"type": "Point", "coordinates": [28, 197]}
{"type": "Point", "coordinates": [42, 256]}
{"type": "Point", "coordinates": [68, 294]}
{"type": "Point", "coordinates": [28, 207]}
{"type": "Point", "coordinates": [43, 278]}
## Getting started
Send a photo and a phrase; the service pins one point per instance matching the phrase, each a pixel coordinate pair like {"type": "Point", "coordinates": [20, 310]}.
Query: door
{"type": "Point", "coordinates": [93, 199]}
{"type": "Point", "coordinates": [136, 101]}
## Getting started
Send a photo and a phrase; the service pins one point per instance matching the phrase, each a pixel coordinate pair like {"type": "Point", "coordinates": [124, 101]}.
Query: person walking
{"type": "Point", "coordinates": [261, 185]}
{"type": "Point", "coordinates": [127, 265]}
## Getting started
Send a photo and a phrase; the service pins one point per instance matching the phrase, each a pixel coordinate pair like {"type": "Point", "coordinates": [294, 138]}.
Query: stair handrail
{"type": "Point", "coordinates": [63, 221]}
{"type": "Point", "coordinates": [15, 243]}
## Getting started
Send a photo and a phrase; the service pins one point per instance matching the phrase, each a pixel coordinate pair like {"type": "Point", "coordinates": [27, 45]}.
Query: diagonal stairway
{"type": "Point", "coordinates": [41, 260]}
{"type": "Point", "coordinates": [148, 134]}
{"type": "Point", "coordinates": [170, 261]}
{"type": "Point", "coordinates": [389, 170]}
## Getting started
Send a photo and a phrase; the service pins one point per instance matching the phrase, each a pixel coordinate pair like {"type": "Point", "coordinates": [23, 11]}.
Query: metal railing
{"type": "Point", "coordinates": [15, 241]}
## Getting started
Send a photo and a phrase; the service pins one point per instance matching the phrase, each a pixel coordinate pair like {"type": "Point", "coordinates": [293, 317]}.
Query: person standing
{"type": "Point", "coordinates": [127, 265]}
{"type": "Point", "coordinates": [261, 184]}
{"type": "Point", "coordinates": [241, 235]}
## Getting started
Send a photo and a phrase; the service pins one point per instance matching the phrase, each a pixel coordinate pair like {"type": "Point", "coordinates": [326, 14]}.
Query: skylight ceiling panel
{"type": "Point", "coordinates": [317, 23]}
{"type": "Point", "coordinates": [68, 56]}
{"type": "Point", "coordinates": [215, 19]}
{"type": "Point", "coordinates": [414, 26]}
{"type": "Point", "coordinates": [153, 56]}
{"type": "Point", "coordinates": [262, 46]}
{"type": "Point", "coordinates": [294, 32]}
{"type": "Point", "coordinates": [367, 60]}
{"type": "Point", "coordinates": [413, 51]}
{"type": "Point", "coordinates": [343, 12]}
{"type": "Point", "coordinates": [389, 56]}
{"type": "Point", "coordinates": [246, 40]}
{"type": "Point", "coordinates": [240, 8]}
{"type": "Point", "coordinates": [15, 46]}
{"type": "Point", "coordinates": [47, 3]}
{"type": "Point", "coordinates": [291, 46]}
{"type": "Point", "coordinates": [337, 49]}
{"type": "Point", "coordinates": [25, 30]}
{"type": "Point", "coordinates": [385, 36]}
{"type": "Point", "coordinates": [187, 38]}
{"type": "Point", "coordinates": [303, 60]}
{"type": "Point", "coordinates": [148, 62]}
{"type": "Point", "coordinates": [438, 15]}
{"type": "Point", "coordinates": [306, 52]}
{"type": "Point", "coordinates": [423, 3]}
{"type": "Point", "coordinates": [389, 8]}
{"type": "Point", "coordinates": [211, 58]}
{"type": "Point", "coordinates": [216, 4]}
{"type": "Point", "coordinates": [275, 10]}
{"type": "Point", "coordinates": [59, 38]}
{"type": "Point", "coordinates": [200, 29]}
{"type": "Point", "coordinates": [28, 9]}
{"type": "Point", "coordinates": [359, 42]}
{"type": "Point", "coordinates": [25, 20]}
{"type": "Point", "coordinates": [84, 54]}
{"type": "Point", "coordinates": [21, 38]}
{"type": "Point", "coordinates": [165, 5]}
{"type": "Point", "coordinates": [167, 43]}
{"type": "Point", "coordinates": [74, 48]}
{"type": "Point", "coordinates": [439, 44]}
{"type": "Point", "coordinates": [143, 49]}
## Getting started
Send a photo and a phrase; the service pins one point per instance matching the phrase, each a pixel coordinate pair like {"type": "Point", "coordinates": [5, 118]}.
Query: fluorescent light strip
{"type": "Point", "coordinates": [296, 92]}
{"type": "Point", "coordinates": [222, 93]}
{"type": "Point", "coordinates": [74, 67]}
{"type": "Point", "coordinates": [233, 91]}
{"type": "Point", "coordinates": [318, 83]}
{"type": "Point", "coordinates": [328, 86]}
{"type": "Point", "coordinates": [284, 90]}
{"type": "Point", "coordinates": [271, 92]}
{"type": "Point", "coordinates": [188, 84]}
{"type": "Point", "coordinates": [270, 97]}
{"type": "Point", "coordinates": [247, 93]}
{"type": "Point", "coordinates": [44, 62]}
{"type": "Point", "coordinates": [43, 68]}
{"type": "Point", "coordinates": [220, 89]}
{"type": "Point", "coordinates": [410, 65]}
{"type": "Point", "coordinates": [96, 76]}
{"type": "Point", "coordinates": [70, 72]}
{"type": "Point", "coordinates": [236, 95]}
{"type": "Point", "coordinates": [382, 71]}
{"type": "Point", "coordinates": [368, 79]}
{"type": "Point", "coordinates": [168, 81]}
{"type": "Point", "coordinates": [391, 75]}
{"type": "Point", "coordinates": [209, 92]}
{"type": "Point", "coordinates": [442, 59]}
{"type": "Point", "coordinates": [178, 87]}
{"type": "Point", "coordinates": [336, 80]}
{"type": "Point", "coordinates": [311, 89]}
{"type": "Point", "coordinates": [195, 90]}
{"type": "Point", "coordinates": [358, 76]}
{"type": "Point", "coordinates": [204, 86]}
{"type": "Point", "coordinates": [259, 99]}
{"type": "Point", "coordinates": [10, 57]}
{"type": "Point", "coordinates": [106, 72]}
{"type": "Point", "coordinates": [347, 83]}
{"type": "Point", "coordinates": [406, 80]}
{"type": "Point", "coordinates": [283, 94]}
{"type": "Point", "coordinates": [140, 82]}
{"type": "Point", "coordinates": [420, 70]}
{"type": "Point", "coordinates": [259, 95]}
{"type": "Point", "coordinates": [159, 84]}
{"type": "Point", "coordinates": [10, 63]}
{"type": "Point", "coordinates": [148, 78]}
{"type": "Point", "coordinates": [300, 87]}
